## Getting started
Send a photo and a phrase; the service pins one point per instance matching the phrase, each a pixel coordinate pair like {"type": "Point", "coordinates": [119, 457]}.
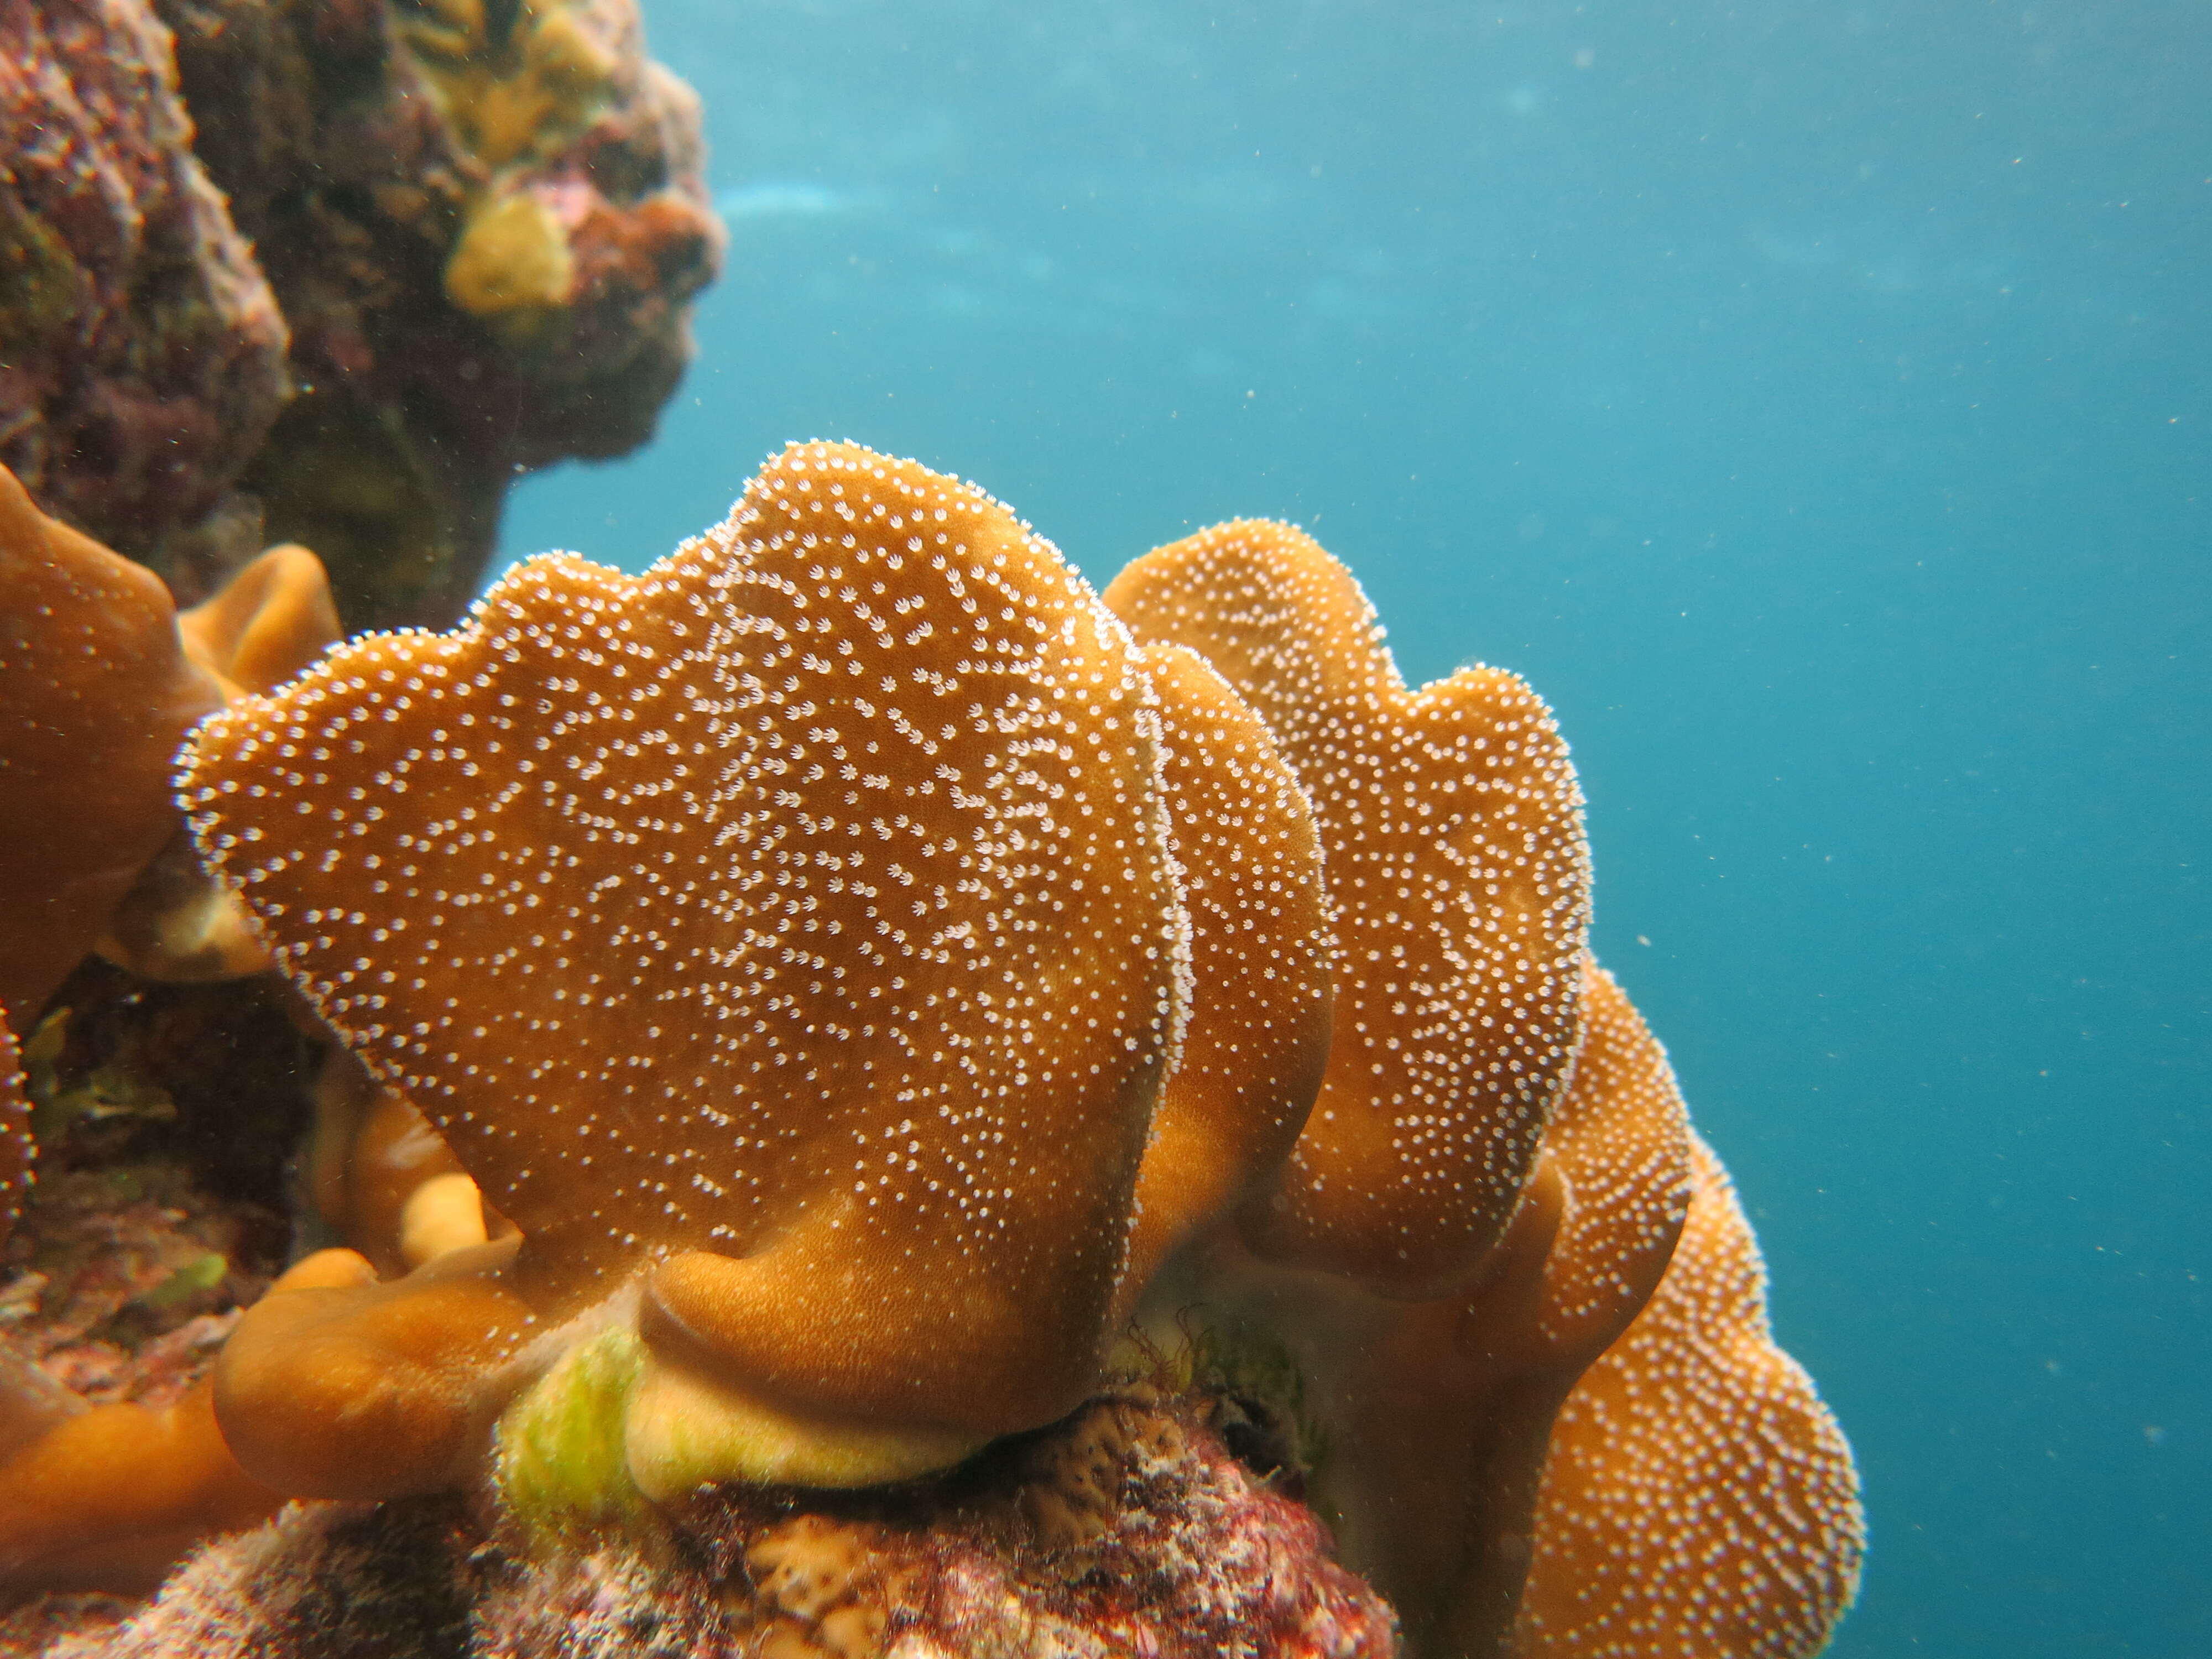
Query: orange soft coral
{"type": "Point", "coordinates": [1699, 1497]}
{"type": "Point", "coordinates": [789, 931]}
{"type": "Point", "coordinates": [804, 999]}
{"type": "Point", "coordinates": [16, 1149]}
{"type": "Point", "coordinates": [1458, 875]}
{"type": "Point", "coordinates": [266, 624]}
{"type": "Point", "coordinates": [1250, 857]}
{"type": "Point", "coordinates": [100, 680]}
{"type": "Point", "coordinates": [1437, 1412]}
{"type": "Point", "coordinates": [96, 692]}
{"type": "Point", "coordinates": [110, 1497]}
{"type": "Point", "coordinates": [1520, 1229]}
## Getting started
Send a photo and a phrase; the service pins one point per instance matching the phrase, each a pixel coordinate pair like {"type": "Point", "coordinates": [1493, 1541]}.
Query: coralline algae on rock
{"type": "Point", "coordinates": [141, 353]}
{"type": "Point", "coordinates": [335, 271]}
{"type": "Point", "coordinates": [1129, 1529]}
{"type": "Point", "coordinates": [485, 224]}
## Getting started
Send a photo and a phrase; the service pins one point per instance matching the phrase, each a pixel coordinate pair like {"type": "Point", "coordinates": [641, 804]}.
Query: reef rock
{"type": "Point", "coordinates": [335, 271]}
{"type": "Point", "coordinates": [485, 224]}
{"type": "Point", "coordinates": [141, 353]}
{"type": "Point", "coordinates": [1131, 1529]}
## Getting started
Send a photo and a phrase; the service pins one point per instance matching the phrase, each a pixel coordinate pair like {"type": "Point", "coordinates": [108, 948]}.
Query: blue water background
{"type": "Point", "coordinates": [1815, 402]}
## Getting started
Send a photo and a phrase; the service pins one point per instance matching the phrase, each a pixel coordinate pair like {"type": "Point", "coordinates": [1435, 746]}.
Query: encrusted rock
{"type": "Point", "coordinates": [335, 271]}
{"type": "Point", "coordinates": [1193, 1556]}
{"type": "Point", "coordinates": [141, 353]}
{"type": "Point", "coordinates": [485, 224]}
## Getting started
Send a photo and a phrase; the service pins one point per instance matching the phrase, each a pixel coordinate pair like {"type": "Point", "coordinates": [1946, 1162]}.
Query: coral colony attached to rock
{"type": "Point", "coordinates": [848, 1095]}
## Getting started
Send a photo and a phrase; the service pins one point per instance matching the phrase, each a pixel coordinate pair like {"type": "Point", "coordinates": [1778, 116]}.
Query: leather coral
{"type": "Point", "coordinates": [1699, 1497]}
{"type": "Point", "coordinates": [803, 1003]}
{"type": "Point", "coordinates": [1491, 1181]}
{"type": "Point", "coordinates": [100, 679]}
{"type": "Point", "coordinates": [96, 693]}
{"type": "Point", "coordinates": [1459, 881]}
{"type": "Point", "coordinates": [788, 936]}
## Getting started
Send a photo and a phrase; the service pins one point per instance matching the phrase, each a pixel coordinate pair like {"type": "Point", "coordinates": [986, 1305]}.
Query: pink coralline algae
{"type": "Point", "coordinates": [1129, 1530]}
{"type": "Point", "coordinates": [141, 353]}
{"type": "Point", "coordinates": [335, 271]}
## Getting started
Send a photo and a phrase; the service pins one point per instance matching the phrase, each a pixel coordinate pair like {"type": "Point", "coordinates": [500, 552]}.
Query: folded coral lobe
{"type": "Point", "coordinates": [1458, 876]}
{"type": "Point", "coordinates": [1252, 1057]}
{"type": "Point", "coordinates": [794, 917]}
{"type": "Point", "coordinates": [1697, 1498]}
{"type": "Point", "coordinates": [95, 694]}
{"type": "Point", "coordinates": [16, 1148]}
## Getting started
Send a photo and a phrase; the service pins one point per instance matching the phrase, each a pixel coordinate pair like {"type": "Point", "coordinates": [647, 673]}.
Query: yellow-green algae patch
{"type": "Point", "coordinates": [514, 256]}
{"type": "Point", "coordinates": [608, 1432]}
{"type": "Point", "coordinates": [686, 1431]}
{"type": "Point", "coordinates": [559, 1464]}
{"type": "Point", "coordinates": [515, 85]}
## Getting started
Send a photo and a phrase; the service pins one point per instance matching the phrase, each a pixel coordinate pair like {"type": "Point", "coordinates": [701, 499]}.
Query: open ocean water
{"type": "Point", "coordinates": [1815, 402]}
